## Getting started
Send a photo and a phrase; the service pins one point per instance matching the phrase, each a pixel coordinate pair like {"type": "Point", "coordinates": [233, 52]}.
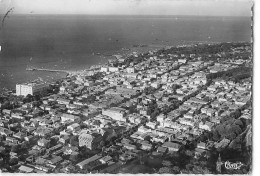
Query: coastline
{"type": "Point", "coordinates": [124, 52]}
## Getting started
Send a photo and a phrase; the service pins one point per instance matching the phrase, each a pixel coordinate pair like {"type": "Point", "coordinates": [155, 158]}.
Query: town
{"type": "Point", "coordinates": [184, 109]}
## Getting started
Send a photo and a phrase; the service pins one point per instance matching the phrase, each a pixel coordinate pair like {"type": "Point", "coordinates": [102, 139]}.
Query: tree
{"type": "Point", "coordinates": [176, 170]}
{"type": "Point", "coordinates": [101, 144]}
{"type": "Point", "coordinates": [15, 148]}
{"type": "Point", "coordinates": [74, 141]}
{"type": "Point", "coordinates": [37, 97]}
{"type": "Point", "coordinates": [30, 97]}
{"type": "Point", "coordinates": [13, 161]}
{"type": "Point", "coordinates": [189, 167]}
{"type": "Point", "coordinates": [166, 163]}
{"type": "Point", "coordinates": [165, 170]}
{"type": "Point", "coordinates": [189, 153]}
{"type": "Point", "coordinates": [236, 143]}
{"type": "Point", "coordinates": [239, 122]}
{"type": "Point", "coordinates": [24, 145]}
{"type": "Point", "coordinates": [74, 157]}
{"type": "Point", "coordinates": [200, 170]}
{"type": "Point", "coordinates": [53, 141]}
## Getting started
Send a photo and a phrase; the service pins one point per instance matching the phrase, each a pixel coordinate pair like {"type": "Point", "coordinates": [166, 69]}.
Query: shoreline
{"type": "Point", "coordinates": [126, 52]}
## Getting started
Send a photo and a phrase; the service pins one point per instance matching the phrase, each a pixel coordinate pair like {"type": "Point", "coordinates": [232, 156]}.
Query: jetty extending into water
{"type": "Point", "coordinates": [93, 68]}
{"type": "Point", "coordinates": [46, 69]}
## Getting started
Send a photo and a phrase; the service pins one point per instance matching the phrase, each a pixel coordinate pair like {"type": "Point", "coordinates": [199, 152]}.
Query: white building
{"type": "Point", "coordinates": [31, 88]}
{"type": "Point", "coordinates": [69, 117]}
{"type": "Point", "coordinates": [104, 69]}
{"type": "Point", "coordinates": [115, 113]}
{"type": "Point", "coordinates": [113, 69]}
{"type": "Point", "coordinates": [130, 70]}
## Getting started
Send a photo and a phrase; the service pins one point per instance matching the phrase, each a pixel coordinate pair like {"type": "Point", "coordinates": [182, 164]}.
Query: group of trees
{"type": "Point", "coordinates": [174, 104]}
{"type": "Point", "coordinates": [229, 129]}
{"type": "Point", "coordinates": [203, 49]}
{"type": "Point", "coordinates": [90, 99]}
{"type": "Point", "coordinates": [134, 60]}
{"type": "Point", "coordinates": [153, 110]}
{"type": "Point", "coordinates": [96, 76]}
{"type": "Point", "coordinates": [235, 74]}
{"type": "Point", "coordinates": [148, 90]}
{"type": "Point", "coordinates": [12, 101]}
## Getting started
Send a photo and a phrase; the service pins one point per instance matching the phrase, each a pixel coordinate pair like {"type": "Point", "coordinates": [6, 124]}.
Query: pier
{"type": "Point", "coordinates": [56, 70]}
{"type": "Point", "coordinates": [45, 69]}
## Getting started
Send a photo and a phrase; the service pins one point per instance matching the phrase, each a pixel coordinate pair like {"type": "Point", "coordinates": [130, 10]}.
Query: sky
{"type": "Point", "coordinates": [130, 7]}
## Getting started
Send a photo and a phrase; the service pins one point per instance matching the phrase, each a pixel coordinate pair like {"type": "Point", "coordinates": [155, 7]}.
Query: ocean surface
{"type": "Point", "coordinates": [73, 42]}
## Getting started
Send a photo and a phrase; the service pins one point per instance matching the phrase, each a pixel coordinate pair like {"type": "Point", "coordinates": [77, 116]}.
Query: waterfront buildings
{"type": "Point", "coordinates": [31, 88]}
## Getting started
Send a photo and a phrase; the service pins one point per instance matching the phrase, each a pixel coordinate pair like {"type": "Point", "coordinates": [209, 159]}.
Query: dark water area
{"type": "Point", "coordinates": [71, 41]}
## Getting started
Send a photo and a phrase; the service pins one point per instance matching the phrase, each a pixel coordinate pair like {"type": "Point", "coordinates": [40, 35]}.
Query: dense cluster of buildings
{"type": "Point", "coordinates": [156, 105]}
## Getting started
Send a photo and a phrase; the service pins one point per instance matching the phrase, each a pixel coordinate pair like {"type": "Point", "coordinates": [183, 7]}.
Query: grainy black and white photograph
{"type": "Point", "coordinates": [126, 86]}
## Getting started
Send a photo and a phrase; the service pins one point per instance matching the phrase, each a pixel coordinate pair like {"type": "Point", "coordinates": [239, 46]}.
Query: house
{"type": "Point", "coordinates": [43, 142]}
{"type": "Point", "coordinates": [129, 146]}
{"type": "Point", "coordinates": [19, 135]}
{"type": "Point", "coordinates": [161, 150]}
{"type": "Point", "coordinates": [12, 140]}
{"type": "Point", "coordinates": [63, 101]}
{"type": "Point", "coordinates": [207, 126]}
{"type": "Point", "coordinates": [105, 159]}
{"type": "Point", "coordinates": [6, 111]}
{"type": "Point", "coordinates": [64, 139]}
{"type": "Point", "coordinates": [25, 169]}
{"type": "Point", "coordinates": [104, 69]}
{"type": "Point", "coordinates": [43, 131]}
{"type": "Point", "coordinates": [113, 69]}
{"type": "Point", "coordinates": [84, 163]}
{"type": "Point", "coordinates": [112, 167]}
{"type": "Point", "coordinates": [69, 150]}
{"type": "Point", "coordinates": [55, 160]}
{"type": "Point", "coordinates": [30, 129]}
{"type": "Point", "coordinates": [202, 145]}
{"type": "Point", "coordinates": [125, 141]}
{"type": "Point", "coordinates": [152, 125]}
{"type": "Point", "coordinates": [143, 129]}
{"type": "Point", "coordinates": [146, 146]}
{"type": "Point", "coordinates": [70, 118]}
{"type": "Point", "coordinates": [74, 127]}
{"type": "Point", "coordinates": [30, 138]}
{"type": "Point", "coordinates": [4, 123]}
{"type": "Point", "coordinates": [40, 160]}
{"type": "Point", "coordinates": [115, 113]}
{"type": "Point", "coordinates": [128, 155]}
{"type": "Point", "coordinates": [56, 147]}
{"type": "Point", "coordinates": [172, 147]}
{"type": "Point", "coordinates": [130, 70]}
{"type": "Point", "coordinates": [199, 153]}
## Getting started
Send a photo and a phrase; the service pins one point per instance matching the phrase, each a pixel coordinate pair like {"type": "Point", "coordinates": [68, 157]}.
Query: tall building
{"type": "Point", "coordinates": [89, 140]}
{"type": "Point", "coordinates": [31, 88]}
